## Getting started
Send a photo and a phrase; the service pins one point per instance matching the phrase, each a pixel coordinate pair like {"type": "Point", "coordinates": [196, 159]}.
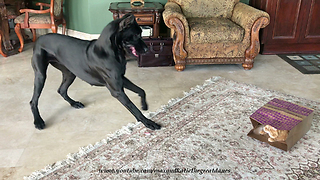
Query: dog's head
{"type": "Point", "coordinates": [130, 36]}
{"type": "Point", "coordinates": [122, 34]}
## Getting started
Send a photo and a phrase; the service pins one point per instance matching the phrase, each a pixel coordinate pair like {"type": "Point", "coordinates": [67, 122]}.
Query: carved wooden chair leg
{"type": "Point", "coordinates": [180, 67]}
{"type": "Point", "coordinates": [248, 64]}
{"type": "Point", "coordinates": [34, 35]}
{"type": "Point", "coordinates": [17, 29]}
{"type": "Point", "coordinates": [180, 64]}
{"type": "Point", "coordinates": [24, 35]}
{"type": "Point", "coordinates": [1, 52]}
{"type": "Point", "coordinates": [54, 28]}
{"type": "Point", "coordinates": [180, 56]}
{"type": "Point", "coordinates": [64, 26]}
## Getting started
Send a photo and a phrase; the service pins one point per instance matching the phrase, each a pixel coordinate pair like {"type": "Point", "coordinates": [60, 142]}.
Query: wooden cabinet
{"type": "Point", "coordinates": [149, 14]}
{"type": "Point", "coordinates": [294, 26]}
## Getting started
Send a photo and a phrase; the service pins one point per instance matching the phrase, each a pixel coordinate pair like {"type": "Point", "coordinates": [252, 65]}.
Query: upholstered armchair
{"type": "Point", "coordinates": [214, 32]}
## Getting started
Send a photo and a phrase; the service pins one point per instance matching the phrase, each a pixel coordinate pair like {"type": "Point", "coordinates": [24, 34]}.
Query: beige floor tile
{"type": "Point", "coordinates": [10, 157]}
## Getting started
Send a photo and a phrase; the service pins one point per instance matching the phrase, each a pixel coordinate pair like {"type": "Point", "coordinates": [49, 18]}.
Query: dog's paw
{"type": "Point", "coordinates": [151, 125]}
{"type": "Point", "coordinates": [144, 106]}
{"type": "Point", "coordinates": [77, 105]}
{"type": "Point", "coordinates": [40, 125]}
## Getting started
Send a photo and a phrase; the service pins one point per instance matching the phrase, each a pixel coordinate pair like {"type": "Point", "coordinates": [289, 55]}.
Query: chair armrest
{"type": "Point", "coordinates": [34, 11]}
{"type": "Point", "coordinates": [42, 5]}
{"type": "Point", "coordinates": [173, 10]}
{"type": "Point", "coordinates": [252, 20]}
{"type": "Point", "coordinates": [173, 13]}
{"type": "Point", "coordinates": [245, 16]}
{"type": "Point", "coordinates": [176, 21]}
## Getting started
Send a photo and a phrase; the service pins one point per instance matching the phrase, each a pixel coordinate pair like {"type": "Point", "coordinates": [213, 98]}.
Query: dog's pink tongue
{"type": "Point", "coordinates": [133, 50]}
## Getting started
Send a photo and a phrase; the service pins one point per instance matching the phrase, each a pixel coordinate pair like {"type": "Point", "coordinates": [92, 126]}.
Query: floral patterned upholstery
{"type": "Point", "coordinates": [34, 18]}
{"type": "Point", "coordinates": [214, 30]}
{"type": "Point", "coordinates": [203, 8]}
{"type": "Point", "coordinates": [57, 7]}
{"type": "Point", "coordinates": [218, 31]}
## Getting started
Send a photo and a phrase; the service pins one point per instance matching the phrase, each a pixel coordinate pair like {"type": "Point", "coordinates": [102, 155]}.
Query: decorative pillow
{"type": "Point", "coordinates": [207, 8]}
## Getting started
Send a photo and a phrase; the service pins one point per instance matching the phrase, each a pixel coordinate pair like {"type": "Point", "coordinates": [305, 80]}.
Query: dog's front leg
{"type": "Point", "coordinates": [123, 98]}
{"type": "Point", "coordinates": [132, 87]}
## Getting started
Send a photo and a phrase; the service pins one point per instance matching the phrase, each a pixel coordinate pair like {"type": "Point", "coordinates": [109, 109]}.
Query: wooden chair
{"type": "Point", "coordinates": [1, 51]}
{"type": "Point", "coordinates": [40, 19]}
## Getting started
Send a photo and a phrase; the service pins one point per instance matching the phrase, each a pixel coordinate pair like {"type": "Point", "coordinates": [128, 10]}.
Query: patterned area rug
{"type": "Point", "coordinates": [204, 136]}
{"type": "Point", "coordinates": [307, 64]}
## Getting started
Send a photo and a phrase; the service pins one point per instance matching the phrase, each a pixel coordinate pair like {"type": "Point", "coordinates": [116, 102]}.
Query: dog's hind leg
{"type": "Point", "coordinates": [40, 65]}
{"type": "Point", "coordinates": [132, 87]}
{"type": "Point", "coordinates": [67, 79]}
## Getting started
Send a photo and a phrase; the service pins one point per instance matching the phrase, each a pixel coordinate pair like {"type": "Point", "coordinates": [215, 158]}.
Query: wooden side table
{"type": "Point", "coordinates": [149, 14]}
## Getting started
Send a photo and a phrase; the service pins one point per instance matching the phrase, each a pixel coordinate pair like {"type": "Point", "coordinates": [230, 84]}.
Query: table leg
{"type": "Point", "coordinates": [156, 28]}
{"type": "Point", "coordinates": [5, 29]}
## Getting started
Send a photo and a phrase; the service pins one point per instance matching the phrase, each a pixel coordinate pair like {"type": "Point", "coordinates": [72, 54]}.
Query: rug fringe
{"type": "Point", "coordinates": [73, 157]}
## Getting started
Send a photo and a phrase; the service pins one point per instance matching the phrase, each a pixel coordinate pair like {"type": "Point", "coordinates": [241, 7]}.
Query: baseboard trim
{"type": "Point", "coordinates": [80, 35]}
{"type": "Point", "coordinates": [311, 48]}
{"type": "Point", "coordinates": [70, 32]}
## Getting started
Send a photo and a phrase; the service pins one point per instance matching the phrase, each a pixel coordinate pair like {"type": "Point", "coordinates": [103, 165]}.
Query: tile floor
{"type": "Point", "coordinates": [23, 149]}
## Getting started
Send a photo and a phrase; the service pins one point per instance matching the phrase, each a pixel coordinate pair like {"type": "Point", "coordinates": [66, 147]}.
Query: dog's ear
{"type": "Point", "coordinates": [126, 21]}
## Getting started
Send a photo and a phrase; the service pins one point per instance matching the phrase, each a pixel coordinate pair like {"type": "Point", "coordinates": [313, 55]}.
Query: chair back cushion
{"type": "Point", "coordinates": [206, 8]}
{"type": "Point", "coordinates": [57, 7]}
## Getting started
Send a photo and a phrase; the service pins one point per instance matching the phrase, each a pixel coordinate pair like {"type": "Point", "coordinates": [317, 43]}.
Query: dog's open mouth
{"type": "Point", "coordinates": [133, 51]}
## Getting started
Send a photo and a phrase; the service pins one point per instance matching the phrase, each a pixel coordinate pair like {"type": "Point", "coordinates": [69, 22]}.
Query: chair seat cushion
{"type": "Point", "coordinates": [34, 18]}
{"type": "Point", "coordinates": [214, 30]}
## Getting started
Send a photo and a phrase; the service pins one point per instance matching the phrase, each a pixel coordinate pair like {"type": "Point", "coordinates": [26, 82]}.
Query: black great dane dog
{"type": "Point", "coordinates": [100, 62]}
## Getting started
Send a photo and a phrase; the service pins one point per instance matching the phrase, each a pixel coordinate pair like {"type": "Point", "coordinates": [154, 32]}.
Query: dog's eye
{"type": "Point", "coordinates": [130, 38]}
{"type": "Point", "coordinates": [135, 37]}
{"type": "Point", "coordinates": [138, 36]}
